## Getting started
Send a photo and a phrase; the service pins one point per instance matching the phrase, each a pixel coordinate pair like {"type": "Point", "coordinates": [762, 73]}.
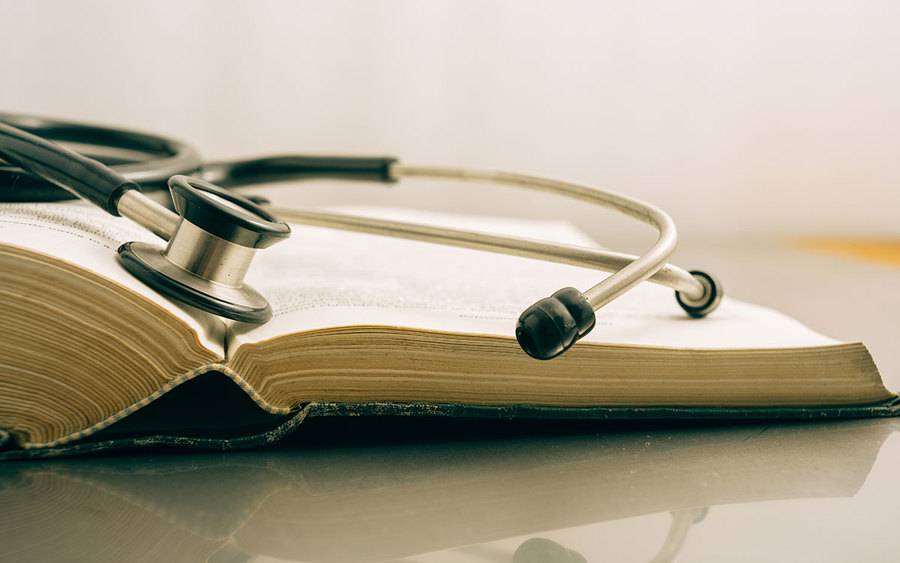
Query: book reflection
{"type": "Point", "coordinates": [393, 503]}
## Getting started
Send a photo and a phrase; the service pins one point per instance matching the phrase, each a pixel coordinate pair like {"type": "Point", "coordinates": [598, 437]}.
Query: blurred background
{"type": "Point", "coordinates": [742, 119]}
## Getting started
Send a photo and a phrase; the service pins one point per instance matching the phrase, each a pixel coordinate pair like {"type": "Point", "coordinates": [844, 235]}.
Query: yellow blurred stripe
{"type": "Point", "coordinates": [872, 250]}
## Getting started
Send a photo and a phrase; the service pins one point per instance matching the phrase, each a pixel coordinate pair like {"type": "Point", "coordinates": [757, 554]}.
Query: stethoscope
{"type": "Point", "coordinates": [213, 234]}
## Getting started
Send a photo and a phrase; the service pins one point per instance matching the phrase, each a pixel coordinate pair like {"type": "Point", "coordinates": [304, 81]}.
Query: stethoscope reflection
{"type": "Point", "coordinates": [543, 550]}
{"type": "Point", "coordinates": [472, 501]}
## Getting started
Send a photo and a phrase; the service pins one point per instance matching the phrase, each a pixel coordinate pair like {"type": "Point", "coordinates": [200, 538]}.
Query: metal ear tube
{"type": "Point", "coordinates": [552, 325]}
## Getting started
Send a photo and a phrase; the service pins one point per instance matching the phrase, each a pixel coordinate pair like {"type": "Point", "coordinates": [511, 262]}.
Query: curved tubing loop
{"type": "Point", "coordinates": [144, 158]}
{"type": "Point", "coordinates": [627, 270]}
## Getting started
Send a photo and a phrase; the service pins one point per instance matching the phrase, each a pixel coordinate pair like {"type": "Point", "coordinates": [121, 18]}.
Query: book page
{"type": "Point", "coordinates": [88, 237]}
{"type": "Point", "coordinates": [323, 278]}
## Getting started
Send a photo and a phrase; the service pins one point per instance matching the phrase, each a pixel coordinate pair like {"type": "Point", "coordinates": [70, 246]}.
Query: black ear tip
{"type": "Point", "coordinates": [708, 302]}
{"type": "Point", "coordinates": [539, 336]}
{"type": "Point", "coordinates": [542, 550]}
{"type": "Point", "coordinates": [550, 327]}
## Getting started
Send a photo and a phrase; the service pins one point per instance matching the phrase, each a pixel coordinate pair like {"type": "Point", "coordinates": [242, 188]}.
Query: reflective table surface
{"type": "Point", "coordinates": [753, 492]}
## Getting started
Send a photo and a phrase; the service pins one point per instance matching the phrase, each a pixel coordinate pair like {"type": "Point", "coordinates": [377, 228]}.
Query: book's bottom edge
{"type": "Point", "coordinates": [595, 417]}
{"type": "Point", "coordinates": [599, 413]}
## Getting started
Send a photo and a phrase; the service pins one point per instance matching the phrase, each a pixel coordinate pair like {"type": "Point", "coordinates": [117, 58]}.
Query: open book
{"type": "Point", "coordinates": [372, 325]}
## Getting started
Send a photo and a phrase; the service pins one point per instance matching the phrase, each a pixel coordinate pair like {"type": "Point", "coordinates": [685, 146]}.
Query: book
{"type": "Point", "coordinates": [367, 324]}
{"type": "Point", "coordinates": [406, 501]}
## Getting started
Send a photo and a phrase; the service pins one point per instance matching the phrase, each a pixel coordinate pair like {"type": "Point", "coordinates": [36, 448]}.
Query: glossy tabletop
{"type": "Point", "coordinates": [787, 492]}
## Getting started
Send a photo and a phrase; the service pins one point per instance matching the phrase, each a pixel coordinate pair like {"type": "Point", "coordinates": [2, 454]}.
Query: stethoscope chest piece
{"type": "Point", "coordinates": [149, 263]}
{"type": "Point", "coordinates": [209, 251]}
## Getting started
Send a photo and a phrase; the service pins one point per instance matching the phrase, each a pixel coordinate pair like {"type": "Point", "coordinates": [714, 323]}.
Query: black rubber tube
{"type": "Point", "coordinates": [298, 167]}
{"type": "Point", "coordinates": [78, 174]}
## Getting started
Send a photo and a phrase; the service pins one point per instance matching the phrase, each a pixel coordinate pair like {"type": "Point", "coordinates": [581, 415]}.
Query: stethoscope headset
{"type": "Point", "coordinates": [213, 234]}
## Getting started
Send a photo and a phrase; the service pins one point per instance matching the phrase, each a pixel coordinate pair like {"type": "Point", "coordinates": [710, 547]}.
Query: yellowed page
{"type": "Point", "coordinates": [87, 237]}
{"type": "Point", "coordinates": [324, 278]}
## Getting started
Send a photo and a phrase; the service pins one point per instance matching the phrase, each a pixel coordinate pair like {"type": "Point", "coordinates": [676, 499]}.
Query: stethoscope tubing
{"type": "Point", "coordinates": [207, 226]}
{"type": "Point", "coordinates": [169, 157]}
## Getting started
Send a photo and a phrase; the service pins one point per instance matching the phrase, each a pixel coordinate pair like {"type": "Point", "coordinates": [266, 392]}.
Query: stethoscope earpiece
{"type": "Point", "coordinates": [550, 327]}
{"type": "Point", "coordinates": [209, 251]}
{"type": "Point", "coordinates": [706, 303]}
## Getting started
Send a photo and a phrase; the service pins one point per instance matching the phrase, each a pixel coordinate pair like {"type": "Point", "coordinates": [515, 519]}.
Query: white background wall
{"type": "Point", "coordinates": [740, 118]}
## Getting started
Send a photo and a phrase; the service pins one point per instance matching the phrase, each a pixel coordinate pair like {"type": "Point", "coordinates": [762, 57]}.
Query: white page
{"type": "Point", "coordinates": [323, 278]}
{"type": "Point", "coordinates": [86, 236]}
